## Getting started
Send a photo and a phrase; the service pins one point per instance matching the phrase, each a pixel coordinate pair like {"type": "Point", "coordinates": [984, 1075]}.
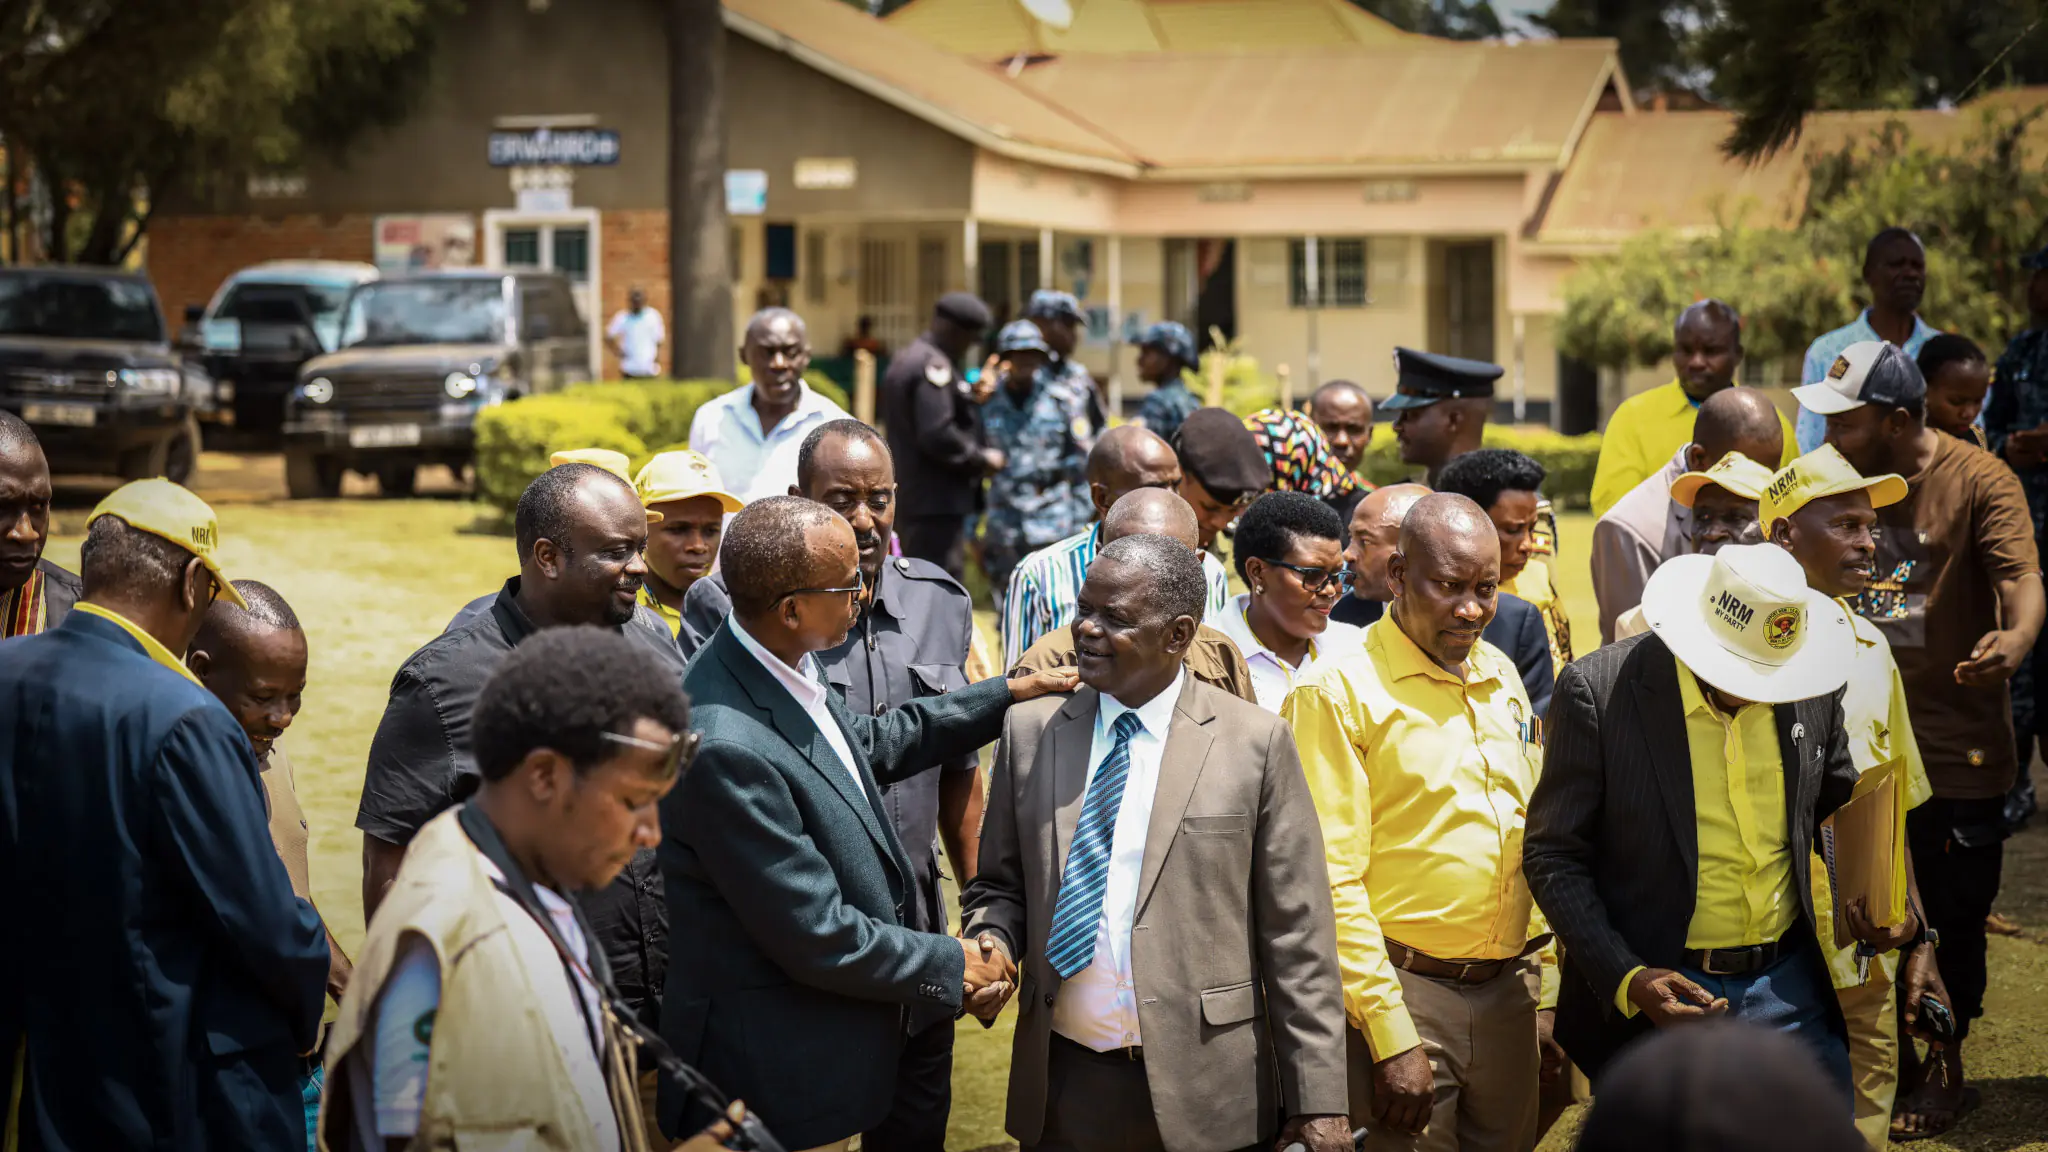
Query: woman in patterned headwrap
{"type": "Point", "coordinates": [1303, 461]}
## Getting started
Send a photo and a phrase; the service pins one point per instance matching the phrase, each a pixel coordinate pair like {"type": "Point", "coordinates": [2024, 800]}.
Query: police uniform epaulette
{"type": "Point", "coordinates": [912, 568]}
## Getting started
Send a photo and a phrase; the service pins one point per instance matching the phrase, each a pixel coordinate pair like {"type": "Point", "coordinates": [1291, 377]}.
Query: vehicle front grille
{"type": "Point", "coordinates": [55, 382]}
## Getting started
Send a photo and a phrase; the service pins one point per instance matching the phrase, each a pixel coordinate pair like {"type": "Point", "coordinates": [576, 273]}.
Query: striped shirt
{"type": "Point", "coordinates": [1044, 588]}
{"type": "Point", "coordinates": [22, 610]}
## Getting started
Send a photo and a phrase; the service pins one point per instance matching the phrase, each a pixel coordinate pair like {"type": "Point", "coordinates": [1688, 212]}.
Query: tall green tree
{"type": "Point", "coordinates": [112, 102]}
{"type": "Point", "coordinates": [1979, 204]}
{"type": "Point", "coordinates": [1449, 19]}
{"type": "Point", "coordinates": [1655, 36]}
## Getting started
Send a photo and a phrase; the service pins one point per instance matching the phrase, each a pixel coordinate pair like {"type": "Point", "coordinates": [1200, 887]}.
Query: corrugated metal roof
{"type": "Point", "coordinates": [1421, 103]}
{"type": "Point", "coordinates": [1666, 170]}
{"type": "Point", "coordinates": [989, 29]}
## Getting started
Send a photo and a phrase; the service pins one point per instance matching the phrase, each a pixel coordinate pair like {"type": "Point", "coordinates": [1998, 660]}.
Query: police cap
{"type": "Point", "coordinates": [1052, 304]}
{"type": "Point", "coordinates": [1222, 454]}
{"type": "Point", "coordinates": [1173, 339]}
{"type": "Point", "coordinates": [1425, 378]}
{"type": "Point", "coordinates": [1021, 336]}
{"type": "Point", "coordinates": [964, 309]}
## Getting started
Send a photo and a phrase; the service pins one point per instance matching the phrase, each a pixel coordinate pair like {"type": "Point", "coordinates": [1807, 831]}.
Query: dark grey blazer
{"type": "Point", "coordinates": [790, 965]}
{"type": "Point", "coordinates": [1612, 846]}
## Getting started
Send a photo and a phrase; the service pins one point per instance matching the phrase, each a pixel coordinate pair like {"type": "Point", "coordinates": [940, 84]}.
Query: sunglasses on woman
{"type": "Point", "coordinates": [1316, 581]}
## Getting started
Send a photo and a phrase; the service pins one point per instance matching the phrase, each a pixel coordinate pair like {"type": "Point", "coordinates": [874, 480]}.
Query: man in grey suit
{"type": "Point", "coordinates": [793, 973]}
{"type": "Point", "coordinates": [1152, 858]}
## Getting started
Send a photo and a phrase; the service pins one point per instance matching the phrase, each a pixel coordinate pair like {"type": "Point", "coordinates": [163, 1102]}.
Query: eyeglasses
{"type": "Point", "coordinates": [1316, 581]}
{"type": "Point", "coordinates": [675, 753]}
{"type": "Point", "coordinates": [859, 585]}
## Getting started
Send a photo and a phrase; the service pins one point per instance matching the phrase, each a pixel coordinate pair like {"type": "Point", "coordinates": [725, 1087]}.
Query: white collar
{"type": "Point", "coordinates": [1155, 714]}
{"type": "Point", "coordinates": [1234, 625]}
{"type": "Point", "coordinates": [801, 681]}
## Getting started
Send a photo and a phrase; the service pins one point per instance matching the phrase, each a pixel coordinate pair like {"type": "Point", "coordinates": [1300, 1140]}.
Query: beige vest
{"type": "Point", "coordinates": [495, 1077]}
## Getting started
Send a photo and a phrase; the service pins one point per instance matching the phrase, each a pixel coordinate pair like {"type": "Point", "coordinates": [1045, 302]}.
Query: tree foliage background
{"type": "Point", "coordinates": [110, 102]}
{"type": "Point", "coordinates": [1979, 205]}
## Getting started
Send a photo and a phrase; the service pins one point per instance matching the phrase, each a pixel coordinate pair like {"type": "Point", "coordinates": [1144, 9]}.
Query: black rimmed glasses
{"type": "Point", "coordinates": [1316, 581]}
{"type": "Point", "coordinates": [675, 753]}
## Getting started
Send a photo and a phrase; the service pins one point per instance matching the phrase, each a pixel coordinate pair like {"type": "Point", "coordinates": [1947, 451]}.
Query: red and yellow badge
{"type": "Point", "coordinates": [1781, 628]}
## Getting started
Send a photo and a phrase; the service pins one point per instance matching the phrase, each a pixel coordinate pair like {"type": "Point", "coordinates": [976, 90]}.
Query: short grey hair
{"type": "Point", "coordinates": [1173, 572]}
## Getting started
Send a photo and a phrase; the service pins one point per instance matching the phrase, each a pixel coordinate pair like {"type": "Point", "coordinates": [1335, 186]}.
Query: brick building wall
{"type": "Point", "coordinates": [633, 247]}
{"type": "Point", "coordinates": [189, 256]}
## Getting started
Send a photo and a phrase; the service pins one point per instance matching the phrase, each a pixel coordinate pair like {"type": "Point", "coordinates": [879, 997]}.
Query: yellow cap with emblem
{"type": "Point", "coordinates": [1735, 472]}
{"type": "Point", "coordinates": [1820, 473]}
{"type": "Point", "coordinates": [683, 475]}
{"type": "Point", "coordinates": [164, 509]}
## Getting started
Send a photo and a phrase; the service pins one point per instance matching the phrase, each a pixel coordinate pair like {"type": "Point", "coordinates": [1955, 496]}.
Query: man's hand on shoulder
{"type": "Point", "coordinates": [1668, 998]}
{"type": "Point", "coordinates": [1036, 684]}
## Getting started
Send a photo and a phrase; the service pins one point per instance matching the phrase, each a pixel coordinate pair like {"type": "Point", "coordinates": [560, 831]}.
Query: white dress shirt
{"type": "Point", "coordinates": [807, 688]}
{"type": "Point", "coordinates": [1272, 677]}
{"type": "Point", "coordinates": [757, 462]}
{"type": "Point", "coordinates": [1098, 1006]}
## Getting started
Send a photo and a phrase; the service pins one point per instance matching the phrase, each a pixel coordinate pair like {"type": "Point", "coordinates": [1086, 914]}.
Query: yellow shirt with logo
{"type": "Point", "coordinates": [1744, 892]}
{"type": "Point", "coordinates": [1421, 780]}
{"type": "Point", "coordinates": [1879, 730]}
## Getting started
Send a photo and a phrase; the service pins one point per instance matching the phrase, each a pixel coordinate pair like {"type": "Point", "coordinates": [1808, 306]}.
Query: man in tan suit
{"type": "Point", "coordinates": [1212, 658]}
{"type": "Point", "coordinates": [1151, 857]}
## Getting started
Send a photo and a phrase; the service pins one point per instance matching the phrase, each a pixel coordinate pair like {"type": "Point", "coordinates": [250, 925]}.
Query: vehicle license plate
{"type": "Point", "coordinates": [70, 415]}
{"type": "Point", "coordinates": [384, 436]}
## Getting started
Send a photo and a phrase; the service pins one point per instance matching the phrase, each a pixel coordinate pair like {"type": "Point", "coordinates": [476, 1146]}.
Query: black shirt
{"type": "Point", "coordinates": [421, 763]}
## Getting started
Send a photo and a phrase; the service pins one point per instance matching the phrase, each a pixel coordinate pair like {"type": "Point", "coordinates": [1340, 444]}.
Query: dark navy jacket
{"type": "Point", "coordinates": [161, 972]}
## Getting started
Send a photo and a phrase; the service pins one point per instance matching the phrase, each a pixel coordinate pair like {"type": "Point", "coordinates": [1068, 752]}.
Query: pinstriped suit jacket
{"type": "Point", "coordinates": [1612, 846]}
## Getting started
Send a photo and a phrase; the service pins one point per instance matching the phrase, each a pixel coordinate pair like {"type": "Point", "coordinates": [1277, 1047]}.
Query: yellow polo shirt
{"type": "Point", "coordinates": [669, 616]}
{"type": "Point", "coordinates": [1643, 434]}
{"type": "Point", "coordinates": [1879, 730]}
{"type": "Point", "coordinates": [1422, 782]}
{"type": "Point", "coordinates": [156, 650]}
{"type": "Point", "coordinates": [1744, 893]}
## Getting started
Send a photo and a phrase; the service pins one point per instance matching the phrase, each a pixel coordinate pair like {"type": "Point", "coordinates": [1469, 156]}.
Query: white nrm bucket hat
{"type": "Point", "coordinates": [1744, 621]}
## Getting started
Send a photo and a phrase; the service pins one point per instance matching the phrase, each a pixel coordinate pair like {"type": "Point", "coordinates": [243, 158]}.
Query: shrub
{"type": "Point", "coordinates": [514, 441]}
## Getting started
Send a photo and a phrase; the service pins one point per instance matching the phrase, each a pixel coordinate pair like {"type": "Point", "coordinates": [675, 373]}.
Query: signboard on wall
{"type": "Point", "coordinates": [536, 147]}
{"type": "Point", "coordinates": [746, 192]}
{"type": "Point", "coordinates": [418, 243]}
{"type": "Point", "coordinates": [826, 173]}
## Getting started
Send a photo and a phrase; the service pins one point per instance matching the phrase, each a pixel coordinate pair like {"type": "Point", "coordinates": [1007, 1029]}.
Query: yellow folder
{"type": "Point", "coordinates": [1864, 846]}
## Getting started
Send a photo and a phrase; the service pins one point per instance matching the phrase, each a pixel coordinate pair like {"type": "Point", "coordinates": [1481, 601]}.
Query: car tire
{"type": "Point", "coordinates": [308, 476]}
{"type": "Point", "coordinates": [398, 479]}
{"type": "Point", "coordinates": [175, 457]}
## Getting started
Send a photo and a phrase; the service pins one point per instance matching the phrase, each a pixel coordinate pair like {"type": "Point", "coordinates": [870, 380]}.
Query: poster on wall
{"type": "Point", "coordinates": [425, 242]}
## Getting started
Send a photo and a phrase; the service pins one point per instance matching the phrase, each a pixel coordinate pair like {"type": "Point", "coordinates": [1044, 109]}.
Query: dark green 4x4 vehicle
{"type": "Point", "coordinates": [420, 356]}
{"type": "Point", "coordinates": [85, 360]}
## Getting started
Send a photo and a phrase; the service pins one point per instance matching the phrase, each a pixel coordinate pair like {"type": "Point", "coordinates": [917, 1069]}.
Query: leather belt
{"type": "Point", "coordinates": [1134, 1055]}
{"type": "Point", "coordinates": [1736, 961]}
{"type": "Point", "coordinates": [1456, 971]}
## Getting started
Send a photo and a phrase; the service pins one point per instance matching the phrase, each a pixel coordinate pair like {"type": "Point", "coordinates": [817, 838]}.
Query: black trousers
{"type": "Point", "coordinates": [924, 1096]}
{"type": "Point", "coordinates": [939, 539]}
{"type": "Point", "coordinates": [1958, 854]}
{"type": "Point", "coordinates": [1096, 1103]}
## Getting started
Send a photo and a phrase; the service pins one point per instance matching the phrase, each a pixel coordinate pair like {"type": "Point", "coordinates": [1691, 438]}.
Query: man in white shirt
{"type": "Point", "coordinates": [752, 433]}
{"type": "Point", "coordinates": [635, 336]}
{"type": "Point", "coordinates": [1152, 858]}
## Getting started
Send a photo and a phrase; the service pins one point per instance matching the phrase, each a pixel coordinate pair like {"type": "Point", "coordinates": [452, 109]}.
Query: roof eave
{"type": "Point", "coordinates": [978, 135]}
{"type": "Point", "coordinates": [1368, 169]}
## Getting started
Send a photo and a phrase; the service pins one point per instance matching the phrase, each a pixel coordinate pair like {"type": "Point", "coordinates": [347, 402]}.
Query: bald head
{"type": "Point", "coordinates": [1375, 534]}
{"type": "Point", "coordinates": [1444, 522]}
{"type": "Point", "coordinates": [1446, 576]}
{"type": "Point", "coordinates": [774, 320]}
{"type": "Point", "coordinates": [1128, 459]}
{"type": "Point", "coordinates": [1383, 509]}
{"type": "Point", "coordinates": [1736, 420]}
{"type": "Point", "coordinates": [1152, 512]}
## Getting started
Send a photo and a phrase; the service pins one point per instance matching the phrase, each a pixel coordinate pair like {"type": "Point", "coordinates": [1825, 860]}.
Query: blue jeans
{"type": "Point", "coordinates": [1792, 996]}
{"type": "Point", "coordinates": [309, 1094]}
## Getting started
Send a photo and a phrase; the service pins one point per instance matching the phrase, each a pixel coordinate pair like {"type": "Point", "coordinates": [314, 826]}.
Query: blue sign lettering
{"type": "Point", "coordinates": [547, 147]}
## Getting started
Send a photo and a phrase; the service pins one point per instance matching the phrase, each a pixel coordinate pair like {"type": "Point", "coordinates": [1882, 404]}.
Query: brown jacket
{"type": "Point", "coordinates": [1234, 944]}
{"type": "Point", "coordinates": [1212, 659]}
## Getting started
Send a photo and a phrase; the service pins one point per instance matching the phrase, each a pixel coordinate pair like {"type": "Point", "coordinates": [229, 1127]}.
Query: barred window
{"type": "Point", "coordinates": [1340, 273]}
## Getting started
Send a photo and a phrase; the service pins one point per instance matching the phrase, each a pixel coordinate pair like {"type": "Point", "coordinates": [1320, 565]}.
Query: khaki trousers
{"type": "Point", "coordinates": [1871, 1012]}
{"type": "Point", "coordinates": [1481, 1044]}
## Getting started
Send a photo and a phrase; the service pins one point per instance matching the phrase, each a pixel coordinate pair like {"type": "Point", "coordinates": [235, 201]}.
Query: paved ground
{"type": "Point", "coordinates": [373, 579]}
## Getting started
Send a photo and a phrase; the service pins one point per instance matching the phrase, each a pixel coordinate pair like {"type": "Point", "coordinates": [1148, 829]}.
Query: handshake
{"type": "Point", "coordinates": [991, 977]}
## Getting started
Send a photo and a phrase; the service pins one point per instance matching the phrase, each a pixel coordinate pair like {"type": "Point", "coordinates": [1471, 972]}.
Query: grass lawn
{"type": "Point", "coordinates": [372, 580]}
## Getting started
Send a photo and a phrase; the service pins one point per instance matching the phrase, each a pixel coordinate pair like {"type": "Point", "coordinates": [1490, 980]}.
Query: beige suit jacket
{"type": "Point", "coordinates": [1234, 945]}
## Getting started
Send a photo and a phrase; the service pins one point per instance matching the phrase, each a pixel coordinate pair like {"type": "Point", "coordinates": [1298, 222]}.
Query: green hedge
{"type": "Point", "coordinates": [1568, 460]}
{"type": "Point", "coordinates": [639, 418]}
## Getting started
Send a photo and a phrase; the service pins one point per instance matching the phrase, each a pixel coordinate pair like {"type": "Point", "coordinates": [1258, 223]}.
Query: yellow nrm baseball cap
{"type": "Point", "coordinates": [1735, 472]}
{"type": "Point", "coordinates": [164, 509]}
{"type": "Point", "coordinates": [683, 475]}
{"type": "Point", "coordinates": [1823, 472]}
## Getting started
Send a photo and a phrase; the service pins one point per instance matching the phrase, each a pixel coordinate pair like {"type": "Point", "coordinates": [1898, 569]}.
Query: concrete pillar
{"type": "Point", "coordinates": [1116, 327]}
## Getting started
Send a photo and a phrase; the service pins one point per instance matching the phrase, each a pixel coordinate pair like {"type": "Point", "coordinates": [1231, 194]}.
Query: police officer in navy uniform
{"type": "Point", "coordinates": [1058, 315]}
{"type": "Point", "coordinates": [933, 418]}
{"type": "Point", "coordinates": [1166, 352]}
{"type": "Point", "coordinates": [1441, 404]}
{"type": "Point", "coordinates": [2016, 424]}
{"type": "Point", "coordinates": [911, 641]}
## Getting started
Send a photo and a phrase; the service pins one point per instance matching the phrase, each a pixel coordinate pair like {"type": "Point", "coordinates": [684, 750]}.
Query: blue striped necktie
{"type": "Point", "coordinates": [1071, 946]}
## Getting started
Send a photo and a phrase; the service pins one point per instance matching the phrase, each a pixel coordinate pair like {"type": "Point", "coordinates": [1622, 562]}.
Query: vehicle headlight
{"type": "Point", "coordinates": [151, 381]}
{"type": "Point", "coordinates": [459, 385]}
{"type": "Point", "coordinates": [318, 390]}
